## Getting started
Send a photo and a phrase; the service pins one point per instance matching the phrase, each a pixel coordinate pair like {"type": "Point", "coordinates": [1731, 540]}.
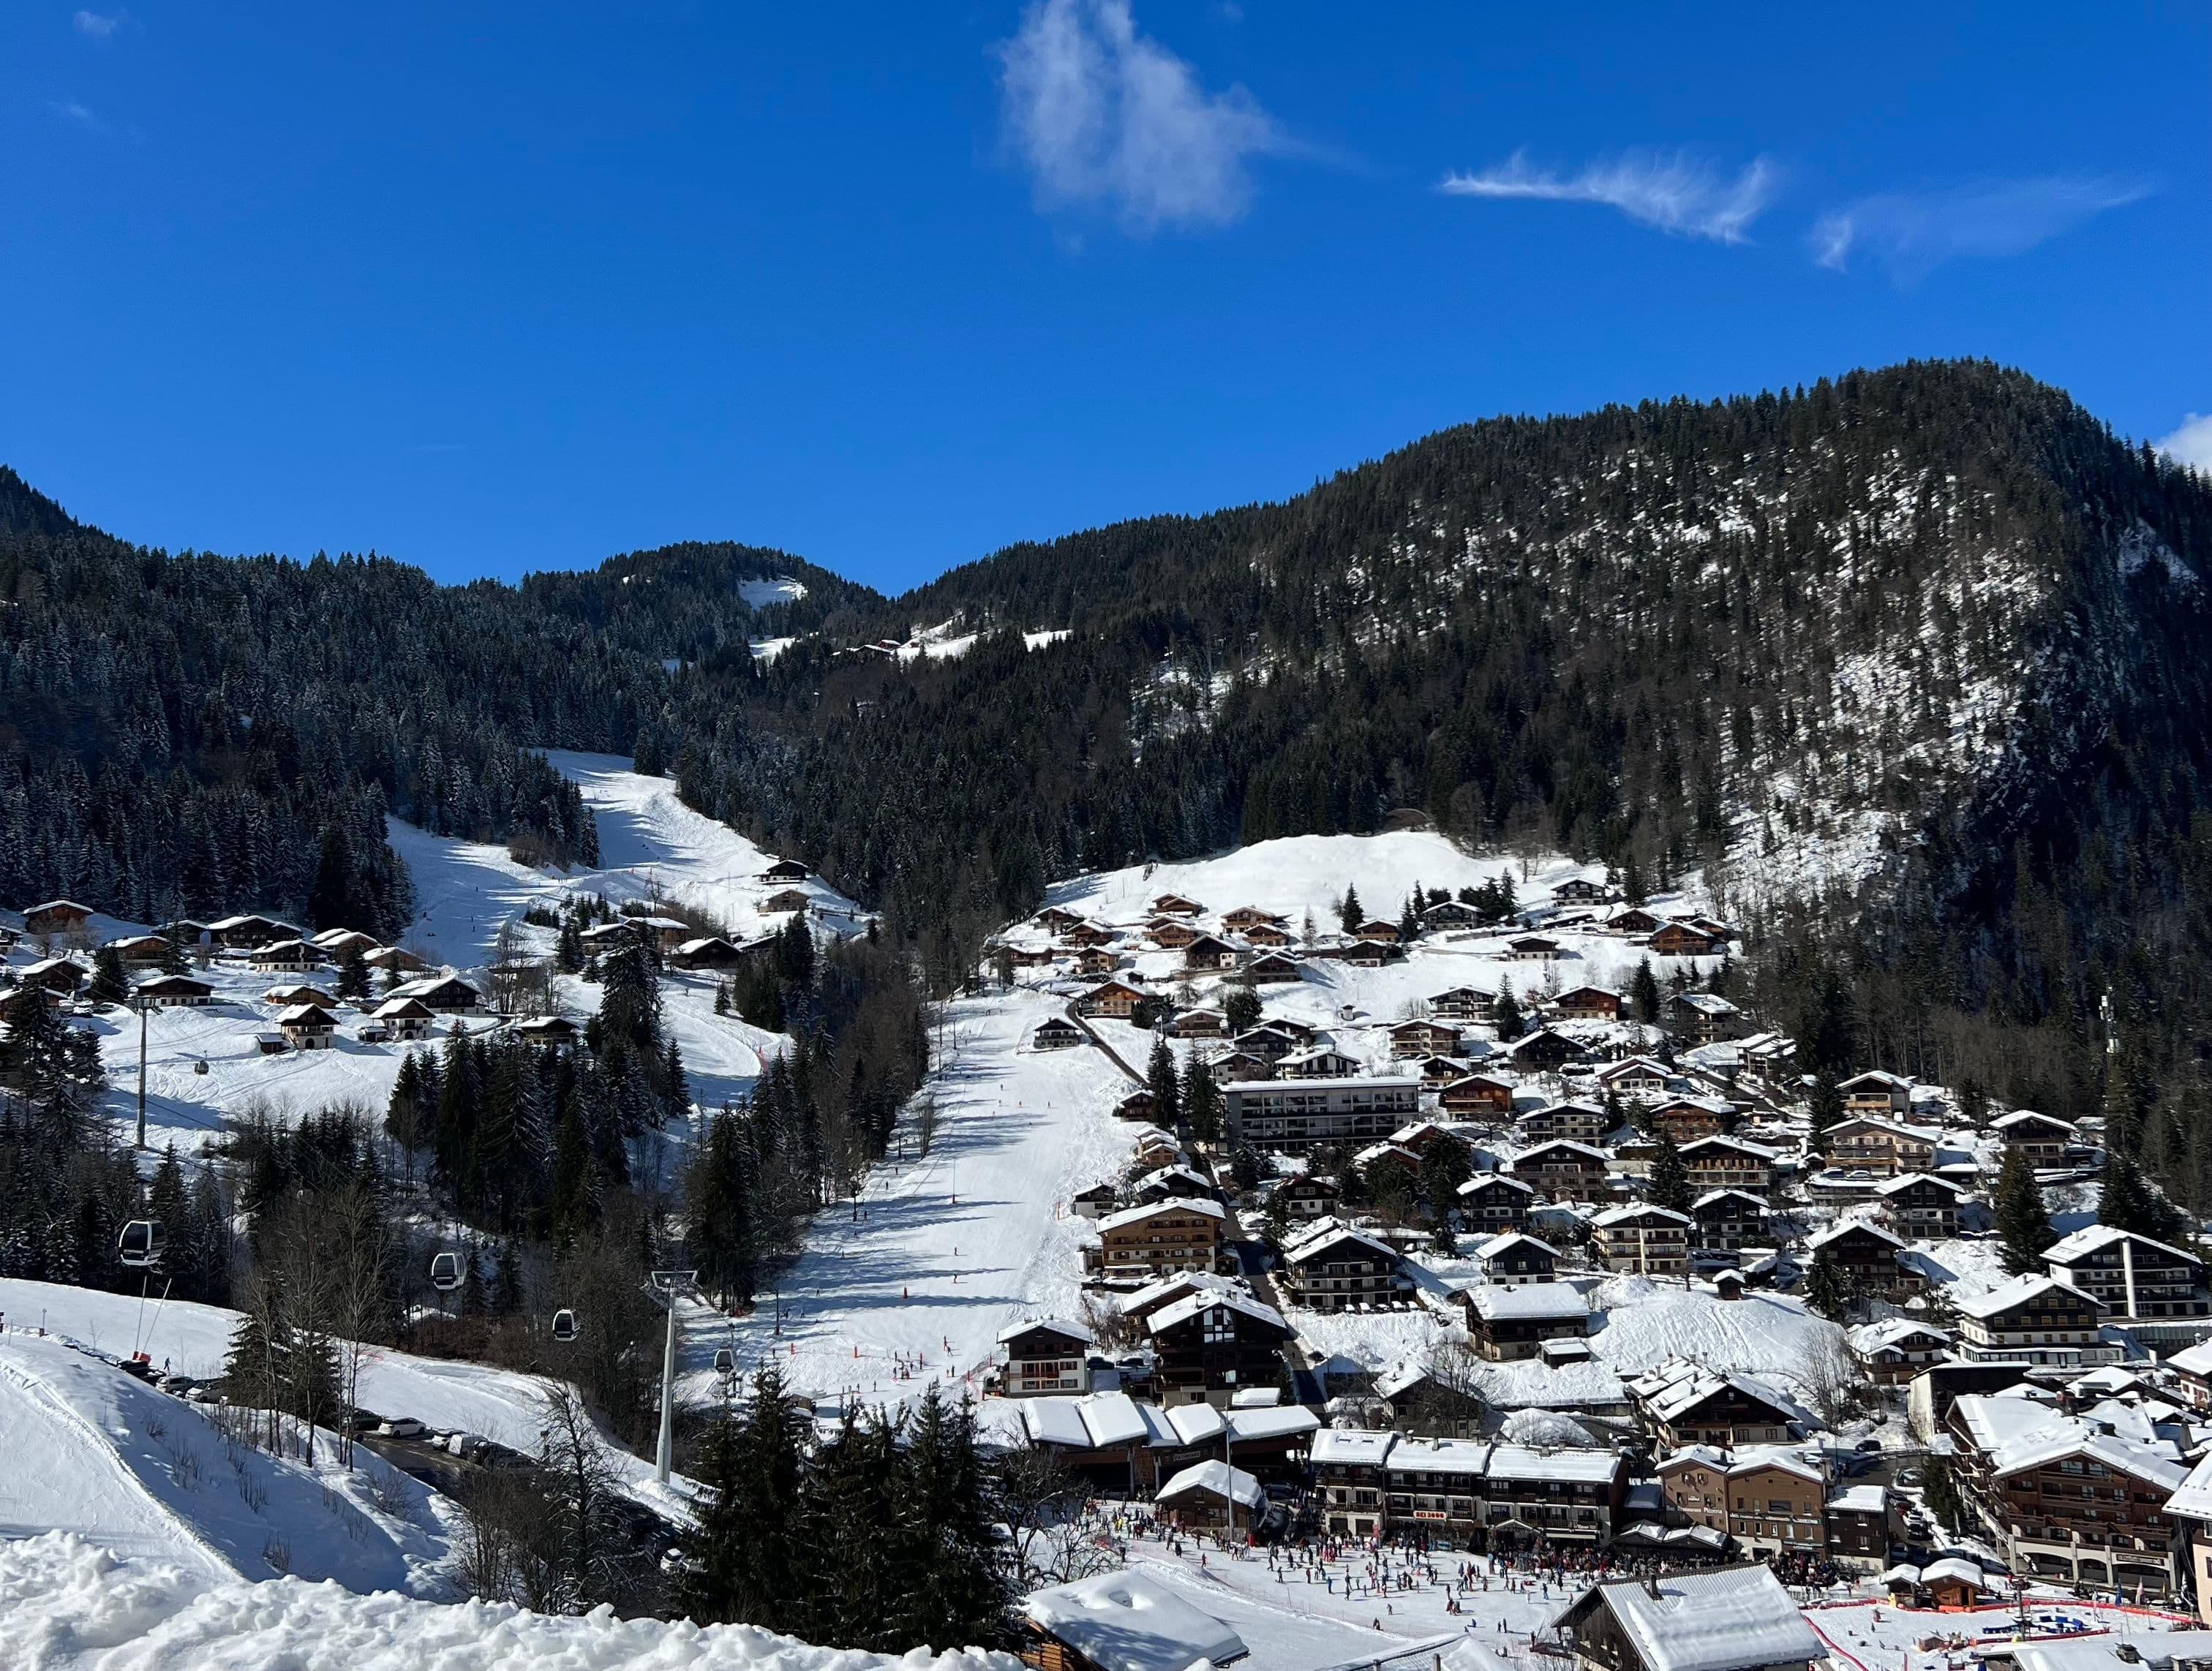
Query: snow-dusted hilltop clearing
{"type": "Point", "coordinates": [650, 845]}
{"type": "Point", "coordinates": [206, 1065]}
{"type": "Point", "coordinates": [66, 1605]}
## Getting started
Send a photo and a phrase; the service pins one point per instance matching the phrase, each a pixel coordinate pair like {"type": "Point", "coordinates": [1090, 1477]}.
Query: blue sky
{"type": "Point", "coordinates": [491, 289]}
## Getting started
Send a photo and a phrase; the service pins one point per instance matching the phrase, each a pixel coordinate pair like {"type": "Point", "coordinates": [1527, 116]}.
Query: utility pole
{"type": "Point", "coordinates": [671, 1286]}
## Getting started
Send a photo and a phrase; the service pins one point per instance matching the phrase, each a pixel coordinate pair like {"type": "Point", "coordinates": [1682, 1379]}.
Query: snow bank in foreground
{"type": "Point", "coordinates": [66, 1606]}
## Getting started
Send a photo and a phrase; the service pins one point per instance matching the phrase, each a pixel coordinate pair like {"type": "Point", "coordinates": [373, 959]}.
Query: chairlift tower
{"type": "Point", "coordinates": [668, 1287]}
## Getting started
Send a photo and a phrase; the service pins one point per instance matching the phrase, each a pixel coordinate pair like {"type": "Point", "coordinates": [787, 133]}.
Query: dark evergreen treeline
{"type": "Point", "coordinates": [883, 1538]}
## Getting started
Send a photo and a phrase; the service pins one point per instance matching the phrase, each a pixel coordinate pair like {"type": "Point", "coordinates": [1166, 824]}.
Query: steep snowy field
{"type": "Point", "coordinates": [194, 1340]}
{"type": "Point", "coordinates": [651, 846]}
{"type": "Point", "coordinates": [89, 1450]}
{"type": "Point", "coordinates": [911, 1284]}
{"type": "Point", "coordinates": [66, 1605]}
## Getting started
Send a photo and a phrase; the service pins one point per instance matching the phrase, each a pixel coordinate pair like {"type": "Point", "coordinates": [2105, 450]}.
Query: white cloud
{"type": "Point", "coordinates": [70, 111]}
{"type": "Point", "coordinates": [1103, 115]}
{"type": "Point", "coordinates": [99, 26]}
{"type": "Point", "coordinates": [1673, 193]}
{"type": "Point", "coordinates": [1912, 233]}
{"type": "Point", "coordinates": [2189, 445]}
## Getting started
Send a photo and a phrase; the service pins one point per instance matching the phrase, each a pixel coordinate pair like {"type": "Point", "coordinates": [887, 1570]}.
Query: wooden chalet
{"type": "Point", "coordinates": [1921, 1206]}
{"type": "Point", "coordinates": [1211, 952]}
{"type": "Point", "coordinates": [1729, 1162]}
{"type": "Point", "coordinates": [1116, 1000]}
{"type": "Point", "coordinates": [1565, 1171]}
{"type": "Point", "coordinates": [1274, 969]}
{"type": "Point", "coordinates": [1869, 1258]}
{"type": "Point", "coordinates": [1462, 1003]}
{"type": "Point", "coordinates": [1530, 949]}
{"type": "Point", "coordinates": [1681, 939]}
{"type": "Point", "coordinates": [139, 951]}
{"type": "Point", "coordinates": [2042, 1138]}
{"type": "Point", "coordinates": [307, 1027]}
{"type": "Point", "coordinates": [1508, 1323]}
{"type": "Point", "coordinates": [1476, 1094]}
{"type": "Point", "coordinates": [1056, 1033]}
{"type": "Point", "coordinates": [1494, 1202]}
{"type": "Point", "coordinates": [1544, 1051]}
{"type": "Point", "coordinates": [1727, 1220]}
{"type": "Point", "coordinates": [56, 918]}
{"type": "Point", "coordinates": [1212, 1344]}
{"type": "Point", "coordinates": [1246, 918]}
{"type": "Point", "coordinates": [1513, 1259]}
{"type": "Point", "coordinates": [1307, 1197]}
{"type": "Point", "coordinates": [1044, 1358]}
{"type": "Point", "coordinates": [1177, 905]}
{"type": "Point", "coordinates": [1687, 1118]}
{"type": "Point", "coordinates": [1588, 1004]}
{"type": "Point", "coordinates": [173, 992]}
{"type": "Point", "coordinates": [1199, 1023]}
{"type": "Point", "coordinates": [1421, 1038]}
{"type": "Point", "coordinates": [1642, 1239]}
{"type": "Point", "coordinates": [405, 1018]}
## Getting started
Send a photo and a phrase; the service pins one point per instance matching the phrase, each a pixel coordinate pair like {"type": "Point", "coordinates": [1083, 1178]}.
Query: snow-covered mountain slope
{"type": "Point", "coordinates": [912, 1284]}
{"type": "Point", "coordinates": [442, 1394]}
{"type": "Point", "coordinates": [653, 847]}
{"type": "Point", "coordinates": [88, 1449]}
{"type": "Point", "coordinates": [1301, 873]}
{"type": "Point", "coordinates": [66, 1605]}
{"type": "Point", "coordinates": [650, 845]}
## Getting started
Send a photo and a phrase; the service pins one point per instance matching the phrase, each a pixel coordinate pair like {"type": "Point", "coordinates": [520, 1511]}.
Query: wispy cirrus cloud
{"type": "Point", "coordinates": [2191, 444]}
{"type": "Point", "coordinates": [83, 116]}
{"type": "Point", "coordinates": [1672, 191]}
{"type": "Point", "coordinates": [100, 25]}
{"type": "Point", "coordinates": [1105, 116]}
{"type": "Point", "coordinates": [1911, 233]}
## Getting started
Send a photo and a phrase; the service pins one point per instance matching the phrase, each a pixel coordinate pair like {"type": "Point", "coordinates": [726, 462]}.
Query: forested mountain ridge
{"type": "Point", "coordinates": [1929, 638]}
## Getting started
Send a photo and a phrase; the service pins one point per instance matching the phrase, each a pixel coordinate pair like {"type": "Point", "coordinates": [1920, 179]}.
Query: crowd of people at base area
{"type": "Point", "coordinates": [1381, 1566]}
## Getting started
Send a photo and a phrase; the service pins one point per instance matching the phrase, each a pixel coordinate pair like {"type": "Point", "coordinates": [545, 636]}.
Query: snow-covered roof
{"type": "Point", "coordinates": [1281, 1421]}
{"type": "Point", "coordinates": [1128, 1621]}
{"type": "Point", "coordinates": [1183, 1310]}
{"type": "Point", "coordinates": [1326, 1235]}
{"type": "Point", "coordinates": [1705, 1003]}
{"type": "Point", "coordinates": [2023, 1116]}
{"type": "Point", "coordinates": [2074, 1438]}
{"type": "Point", "coordinates": [1905, 1181]}
{"type": "Point", "coordinates": [1894, 1331]}
{"type": "Point", "coordinates": [1485, 1180]}
{"type": "Point", "coordinates": [1722, 1620]}
{"type": "Point", "coordinates": [1860, 1500]}
{"type": "Point", "coordinates": [2192, 1498]}
{"type": "Point", "coordinates": [1713, 1196]}
{"type": "Point", "coordinates": [1635, 1211]}
{"type": "Point", "coordinates": [1955, 1570]}
{"type": "Point", "coordinates": [1354, 1447]}
{"type": "Point", "coordinates": [2019, 1291]}
{"type": "Point", "coordinates": [2095, 1238]}
{"type": "Point", "coordinates": [1215, 1478]}
{"type": "Point", "coordinates": [2195, 1360]}
{"type": "Point", "coordinates": [1507, 1241]}
{"type": "Point", "coordinates": [1514, 1461]}
{"type": "Point", "coordinates": [1534, 1301]}
{"type": "Point", "coordinates": [1135, 1215]}
{"type": "Point", "coordinates": [1464, 1456]}
{"type": "Point", "coordinates": [1821, 1239]}
{"type": "Point", "coordinates": [1058, 1325]}
{"type": "Point", "coordinates": [1742, 1146]}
